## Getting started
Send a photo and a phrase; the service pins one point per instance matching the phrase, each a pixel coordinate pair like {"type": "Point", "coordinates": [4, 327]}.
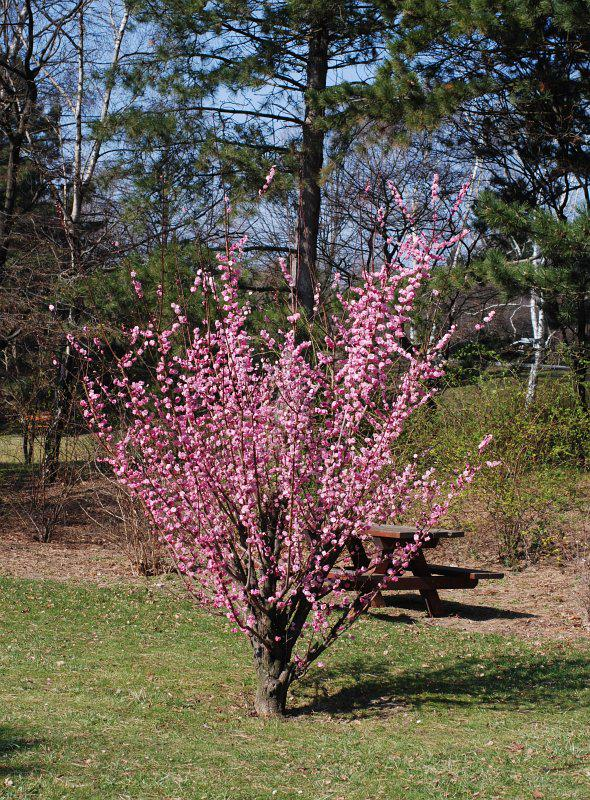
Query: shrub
{"type": "Point", "coordinates": [261, 466]}
{"type": "Point", "coordinates": [538, 450]}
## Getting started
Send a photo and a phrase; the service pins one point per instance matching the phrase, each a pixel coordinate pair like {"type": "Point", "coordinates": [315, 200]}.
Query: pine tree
{"type": "Point", "coordinates": [540, 253]}
{"type": "Point", "coordinates": [508, 84]}
{"type": "Point", "coordinates": [280, 76]}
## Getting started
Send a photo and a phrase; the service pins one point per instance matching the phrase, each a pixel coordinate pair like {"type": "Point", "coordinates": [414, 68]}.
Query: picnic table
{"type": "Point", "coordinates": [426, 577]}
{"type": "Point", "coordinates": [39, 421]}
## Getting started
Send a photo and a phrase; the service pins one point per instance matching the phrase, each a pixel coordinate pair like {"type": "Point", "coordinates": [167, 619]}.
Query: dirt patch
{"type": "Point", "coordinates": [541, 602]}
{"type": "Point", "coordinates": [91, 538]}
{"type": "Point", "coordinates": [544, 601]}
{"type": "Point", "coordinates": [74, 555]}
{"type": "Point", "coordinates": [538, 603]}
{"type": "Point", "coordinates": [83, 543]}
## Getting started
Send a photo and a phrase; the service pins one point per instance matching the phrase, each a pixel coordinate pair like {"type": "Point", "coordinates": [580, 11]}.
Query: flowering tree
{"type": "Point", "coordinates": [261, 465]}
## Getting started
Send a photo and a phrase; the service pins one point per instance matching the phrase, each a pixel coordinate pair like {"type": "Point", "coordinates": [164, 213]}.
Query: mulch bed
{"type": "Point", "coordinates": [540, 602]}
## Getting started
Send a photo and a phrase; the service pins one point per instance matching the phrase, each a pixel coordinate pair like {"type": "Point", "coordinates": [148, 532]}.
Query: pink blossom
{"type": "Point", "coordinates": [488, 318]}
{"type": "Point", "coordinates": [484, 442]}
{"type": "Point", "coordinates": [260, 459]}
{"type": "Point", "coordinates": [137, 287]}
{"type": "Point", "coordinates": [269, 179]}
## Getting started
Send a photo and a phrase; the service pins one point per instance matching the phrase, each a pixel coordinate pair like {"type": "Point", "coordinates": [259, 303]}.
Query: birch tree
{"type": "Point", "coordinates": [59, 65]}
{"type": "Point", "coordinates": [93, 53]}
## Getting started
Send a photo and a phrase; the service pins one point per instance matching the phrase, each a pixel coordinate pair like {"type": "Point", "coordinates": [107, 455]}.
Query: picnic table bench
{"type": "Point", "coordinates": [427, 578]}
{"type": "Point", "coordinates": [40, 421]}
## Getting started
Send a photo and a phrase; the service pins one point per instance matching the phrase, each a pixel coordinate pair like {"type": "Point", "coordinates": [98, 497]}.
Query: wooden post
{"type": "Point", "coordinates": [419, 567]}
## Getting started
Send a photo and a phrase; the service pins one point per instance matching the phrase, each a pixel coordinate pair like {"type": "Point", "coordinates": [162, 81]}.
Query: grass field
{"type": "Point", "coordinates": [73, 448]}
{"type": "Point", "coordinates": [123, 693]}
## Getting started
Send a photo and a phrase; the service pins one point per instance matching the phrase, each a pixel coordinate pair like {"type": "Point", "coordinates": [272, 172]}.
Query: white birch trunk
{"type": "Point", "coordinates": [539, 328]}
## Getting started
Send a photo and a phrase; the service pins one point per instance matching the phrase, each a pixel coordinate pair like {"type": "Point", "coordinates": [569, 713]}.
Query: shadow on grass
{"type": "Point", "coordinates": [371, 685]}
{"type": "Point", "coordinates": [15, 475]}
{"type": "Point", "coordinates": [413, 602]}
{"type": "Point", "coordinates": [11, 744]}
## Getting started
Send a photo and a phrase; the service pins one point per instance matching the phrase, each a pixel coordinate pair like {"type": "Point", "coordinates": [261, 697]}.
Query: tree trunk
{"type": "Point", "coordinates": [312, 160]}
{"type": "Point", "coordinates": [8, 205]}
{"type": "Point", "coordinates": [62, 400]}
{"type": "Point", "coordinates": [28, 441]}
{"type": "Point", "coordinates": [10, 190]}
{"type": "Point", "coordinates": [274, 678]}
{"type": "Point", "coordinates": [538, 326]}
{"type": "Point", "coordinates": [23, 111]}
{"type": "Point", "coordinates": [580, 359]}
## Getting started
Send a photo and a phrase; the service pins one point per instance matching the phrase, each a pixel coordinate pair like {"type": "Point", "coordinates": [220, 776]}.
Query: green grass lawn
{"type": "Point", "coordinates": [73, 448]}
{"type": "Point", "coordinates": [122, 693]}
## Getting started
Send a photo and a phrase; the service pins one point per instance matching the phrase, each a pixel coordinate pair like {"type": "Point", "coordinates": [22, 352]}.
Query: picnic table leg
{"type": "Point", "coordinates": [378, 601]}
{"type": "Point", "coordinates": [419, 567]}
{"type": "Point", "coordinates": [360, 559]}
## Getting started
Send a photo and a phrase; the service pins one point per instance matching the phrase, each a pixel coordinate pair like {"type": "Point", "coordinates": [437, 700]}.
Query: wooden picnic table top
{"type": "Point", "coordinates": [407, 532]}
{"type": "Point", "coordinates": [426, 578]}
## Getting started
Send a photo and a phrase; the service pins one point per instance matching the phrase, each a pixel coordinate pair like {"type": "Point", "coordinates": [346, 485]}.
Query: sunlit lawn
{"type": "Point", "coordinates": [73, 448]}
{"type": "Point", "coordinates": [121, 693]}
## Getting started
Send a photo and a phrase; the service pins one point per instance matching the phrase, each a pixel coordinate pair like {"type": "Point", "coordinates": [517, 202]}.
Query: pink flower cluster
{"type": "Point", "coordinates": [488, 318]}
{"type": "Point", "coordinates": [260, 466]}
{"type": "Point", "coordinates": [137, 287]}
{"type": "Point", "coordinates": [268, 180]}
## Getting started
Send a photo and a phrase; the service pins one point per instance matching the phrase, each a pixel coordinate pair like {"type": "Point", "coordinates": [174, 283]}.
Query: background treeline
{"type": "Point", "coordinates": [136, 136]}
